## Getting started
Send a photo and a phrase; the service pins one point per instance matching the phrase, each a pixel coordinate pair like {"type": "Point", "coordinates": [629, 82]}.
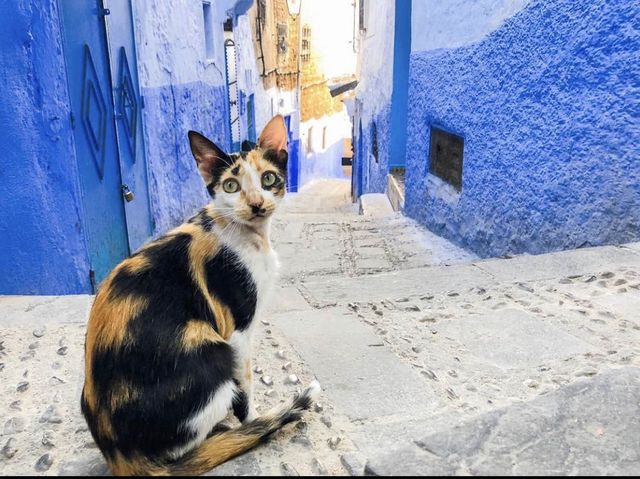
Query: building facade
{"type": "Point", "coordinates": [98, 98]}
{"type": "Point", "coordinates": [521, 119]}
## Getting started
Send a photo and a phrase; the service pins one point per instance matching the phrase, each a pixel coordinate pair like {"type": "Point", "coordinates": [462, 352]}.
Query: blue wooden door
{"type": "Point", "coordinates": [128, 119]}
{"type": "Point", "coordinates": [88, 77]}
{"type": "Point", "coordinates": [293, 160]}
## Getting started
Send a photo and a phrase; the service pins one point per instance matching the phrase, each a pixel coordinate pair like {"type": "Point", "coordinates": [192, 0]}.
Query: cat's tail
{"type": "Point", "coordinates": [225, 445]}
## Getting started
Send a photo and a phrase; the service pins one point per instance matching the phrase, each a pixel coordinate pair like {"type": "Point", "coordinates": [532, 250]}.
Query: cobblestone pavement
{"type": "Point", "coordinates": [432, 361]}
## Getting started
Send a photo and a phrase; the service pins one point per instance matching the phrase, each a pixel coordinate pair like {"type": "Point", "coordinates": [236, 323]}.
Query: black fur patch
{"type": "Point", "coordinates": [241, 405]}
{"type": "Point", "coordinates": [203, 219]}
{"type": "Point", "coordinates": [232, 284]}
{"type": "Point", "coordinates": [278, 159]}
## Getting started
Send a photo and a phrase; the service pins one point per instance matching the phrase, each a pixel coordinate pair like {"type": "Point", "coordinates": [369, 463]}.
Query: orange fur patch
{"type": "Point", "coordinates": [198, 332]}
{"type": "Point", "coordinates": [122, 393]}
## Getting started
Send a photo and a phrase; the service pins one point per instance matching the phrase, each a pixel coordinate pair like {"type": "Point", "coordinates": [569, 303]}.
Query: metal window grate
{"type": "Point", "coordinates": [445, 157]}
{"type": "Point", "coordinates": [305, 54]}
{"type": "Point", "coordinates": [374, 141]}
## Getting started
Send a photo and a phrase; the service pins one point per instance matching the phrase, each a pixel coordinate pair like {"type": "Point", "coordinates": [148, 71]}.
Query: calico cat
{"type": "Point", "coordinates": [168, 344]}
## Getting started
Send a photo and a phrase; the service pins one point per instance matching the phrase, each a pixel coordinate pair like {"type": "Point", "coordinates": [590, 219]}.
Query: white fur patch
{"type": "Point", "coordinates": [204, 421]}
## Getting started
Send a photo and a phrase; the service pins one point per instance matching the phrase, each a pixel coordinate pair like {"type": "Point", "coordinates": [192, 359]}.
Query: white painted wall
{"type": "Point", "coordinates": [324, 158]}
{"type": "Point", "coordinates": [171, 33]}
{"type": "Point", "coordinates": [375, 57]}
{"type": "Point", "coordinates": [455, 23]}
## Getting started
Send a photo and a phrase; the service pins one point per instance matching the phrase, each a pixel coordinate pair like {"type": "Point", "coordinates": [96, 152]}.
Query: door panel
{"type": "Point", "coordinates": [89, 82]}
{"type": "Point", "coordinates": [128, 118]}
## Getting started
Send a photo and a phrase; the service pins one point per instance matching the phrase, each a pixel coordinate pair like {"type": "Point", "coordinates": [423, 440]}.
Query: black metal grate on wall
{"type": "Point", "coordinates": [374, 141]}
{"type": "Point", "coordinates": [445, 156]}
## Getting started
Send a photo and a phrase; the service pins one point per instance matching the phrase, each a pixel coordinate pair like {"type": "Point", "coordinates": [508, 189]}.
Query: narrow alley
{"type": "Point", "coordinates": [431, 360]}
{"type": "Point", "coordinates": [453, 192]}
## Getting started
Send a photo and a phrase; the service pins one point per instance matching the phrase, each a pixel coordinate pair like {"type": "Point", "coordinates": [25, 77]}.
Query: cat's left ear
{"type": "Point", "coordinates": [207, 154]}
{"type": "Point", "coordinates": [274, 135]}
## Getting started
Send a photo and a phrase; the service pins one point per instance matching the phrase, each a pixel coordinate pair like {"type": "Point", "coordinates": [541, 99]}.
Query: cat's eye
{"type": "Point", "coordinates": [231, 186]}
{"type": "Point", "coordinates": [269, 179]}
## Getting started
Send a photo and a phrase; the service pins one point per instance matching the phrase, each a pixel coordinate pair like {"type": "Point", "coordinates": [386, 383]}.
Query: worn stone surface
{"type": "Point", "coordinates": [512, 338]}
{"type": "Point", "coordinates": [588, 428]}
{"type": "Point", "coordinates": [245, 465]}
{"type": "Point", "coordinates": [353, 364]}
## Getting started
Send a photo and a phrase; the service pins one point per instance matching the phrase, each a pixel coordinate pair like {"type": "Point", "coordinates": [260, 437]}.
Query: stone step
{"type": "Point", "coordinates": [376, 205]}
{"type": "Point", "coordinates": [439, 279]}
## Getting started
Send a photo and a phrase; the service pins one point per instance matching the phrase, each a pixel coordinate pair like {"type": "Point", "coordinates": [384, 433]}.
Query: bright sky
{"type": "Point", "coordinates": [331, 24]}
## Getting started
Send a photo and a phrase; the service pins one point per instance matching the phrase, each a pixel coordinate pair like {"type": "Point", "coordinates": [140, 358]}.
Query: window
{"type": "Point", "coordinates": [324, 138]}
{"type": "Point", "coordinates": [445, 157]}
{"type": "Point", "coordinates": [282, 38]}
{"type": "Point", "coordinates": [208, 30]}
{"type": "Point", "coordinates": [310, 140]}
{"type": "Point", "coordinates": [362, 15]}
{"type": "Point", "coordinates": [305, 54]}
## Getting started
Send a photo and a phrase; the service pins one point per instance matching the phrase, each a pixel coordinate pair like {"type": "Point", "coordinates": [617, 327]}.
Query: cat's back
{"type": "Point", "coordinates": [156, 342]}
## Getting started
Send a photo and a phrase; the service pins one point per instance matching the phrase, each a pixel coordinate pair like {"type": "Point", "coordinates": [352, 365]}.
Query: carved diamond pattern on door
{"type": "Point", "coordinates": [93, 112]}
{"type": "Point", "coordinates": [127, 103]}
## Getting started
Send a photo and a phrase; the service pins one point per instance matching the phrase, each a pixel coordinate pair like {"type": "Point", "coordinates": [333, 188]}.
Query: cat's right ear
{"type": "Point", "coordinates": [207, 154]}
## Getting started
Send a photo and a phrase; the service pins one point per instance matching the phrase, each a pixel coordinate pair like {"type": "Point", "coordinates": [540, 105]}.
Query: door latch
{"type": "Point", "coordinates": [127, 194]}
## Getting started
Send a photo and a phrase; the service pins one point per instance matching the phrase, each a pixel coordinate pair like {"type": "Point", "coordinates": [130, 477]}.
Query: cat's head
{"type": "Point", "coordinates": [245, 187]}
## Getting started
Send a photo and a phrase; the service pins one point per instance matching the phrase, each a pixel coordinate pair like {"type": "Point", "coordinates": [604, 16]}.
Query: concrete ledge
{"type": "Point", "coordinates": [376, 205]}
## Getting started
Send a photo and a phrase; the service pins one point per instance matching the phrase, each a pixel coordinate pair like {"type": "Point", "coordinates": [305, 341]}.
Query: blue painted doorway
{"type": "Point", "coordinates": [98, 115]}
{"type": "Point", "coordinates": [128, 119]}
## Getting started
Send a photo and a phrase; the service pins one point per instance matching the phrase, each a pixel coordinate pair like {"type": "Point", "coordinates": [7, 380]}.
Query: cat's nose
{"type": "Point", "coordinates": [257, 208]}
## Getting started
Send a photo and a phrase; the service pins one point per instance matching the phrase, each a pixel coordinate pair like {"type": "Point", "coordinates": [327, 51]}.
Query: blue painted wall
{"type": "Point", "coordinates": [548, 106]}
{"type": "Point", "coordinates": [184, 89]}
{"type": "Point", "coordinates": [41, 231]}
{"type": "Point", "coordinates": [175, 187]}
{"type": "Point", "coordinates": [375, 173]}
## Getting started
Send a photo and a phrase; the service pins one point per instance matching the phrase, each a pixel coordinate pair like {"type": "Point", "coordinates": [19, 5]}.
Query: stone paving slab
{"type": "Point", "coordinates": [362, 377]}
{"type": "Point", "coordinates": [410, 282]}
{"type": "Point", "coordinates": [560, 264]}
{"type": "Point", "coordinates": [513, 338]}
{"type": "Point", "coordinates": [590, 427]}
{"type": "Point", "coordinates": [284, 300]}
